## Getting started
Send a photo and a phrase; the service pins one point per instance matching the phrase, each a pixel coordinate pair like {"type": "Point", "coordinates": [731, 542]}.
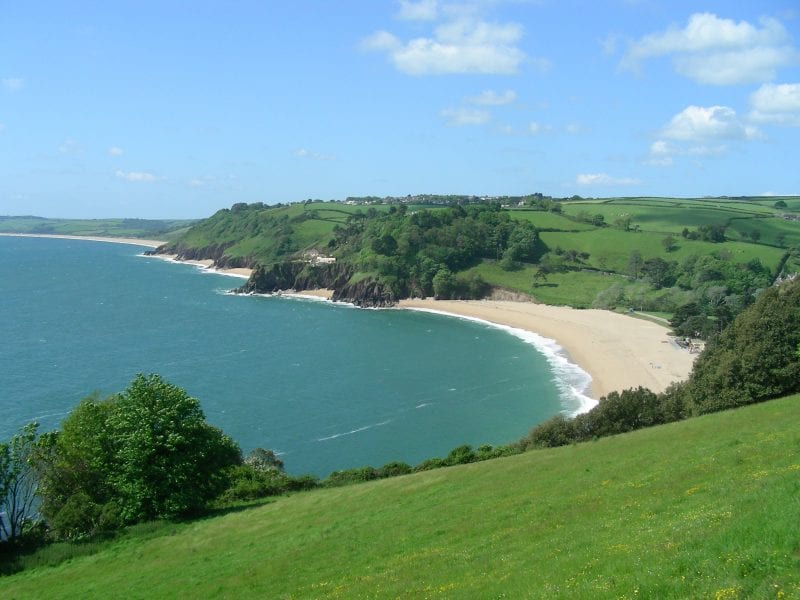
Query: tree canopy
{"type": "Point", "coordinates": [142, 454]}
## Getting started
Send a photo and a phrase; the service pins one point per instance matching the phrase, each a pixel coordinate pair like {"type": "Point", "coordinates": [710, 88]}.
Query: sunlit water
{"type": "Point", "coordinates": [327, 386]}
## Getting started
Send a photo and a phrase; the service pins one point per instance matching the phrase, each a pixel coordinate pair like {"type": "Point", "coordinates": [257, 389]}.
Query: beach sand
{"type": "Point", "coordinates": [92, 238]}
{"type": "Point", "coordinates": [206, 264]}
{"type": "Point", "coordinates": [617, 351]}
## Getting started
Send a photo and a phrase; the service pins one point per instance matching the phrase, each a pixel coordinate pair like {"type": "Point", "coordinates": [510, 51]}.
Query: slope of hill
{"type": "Point", "coordinates": [160, 229]}
{"type": "Point", "coordinates": [711, 256]}
{"type": "Point", "coordinates": [705, 508]}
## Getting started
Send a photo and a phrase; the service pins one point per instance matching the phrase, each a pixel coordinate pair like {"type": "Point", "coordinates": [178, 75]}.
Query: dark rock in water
{"type": "Point", "coordinates": [367, 293]}
{"type": "Point", "coordinates": [299, 276]}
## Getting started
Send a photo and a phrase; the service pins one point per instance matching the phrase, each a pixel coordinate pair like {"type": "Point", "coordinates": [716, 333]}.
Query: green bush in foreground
{"type": "Point", "coordinates": [753, 359]}
{"type": "Point", "coordinates": [143, 454]}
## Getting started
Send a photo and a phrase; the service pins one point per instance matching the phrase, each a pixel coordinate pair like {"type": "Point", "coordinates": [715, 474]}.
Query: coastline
{"type": "Point", "coordinates": [617, 351]}
{"type": "Point", "coordinates": [91, 238]}
{"type": "Point", "coordinates": [206, 265]}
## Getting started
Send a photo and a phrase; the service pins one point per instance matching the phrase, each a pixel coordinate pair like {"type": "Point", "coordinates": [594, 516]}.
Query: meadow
{"type": "Point", "coordinates": [165, 229]}
{"type": "Point", "coordinates": [704, 508]}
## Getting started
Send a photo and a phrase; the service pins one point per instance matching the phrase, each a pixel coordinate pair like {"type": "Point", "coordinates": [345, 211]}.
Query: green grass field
{"type": "Point", "coordinates": [141, 228]}
{"type": "Point", "coordinates": [705, 508]}
{"type": "Point", "coordinates": [575, 288]}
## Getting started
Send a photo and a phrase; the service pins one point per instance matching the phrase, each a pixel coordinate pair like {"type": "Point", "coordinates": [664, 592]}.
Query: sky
{"type": "Point", "coordinates": [168, 109]}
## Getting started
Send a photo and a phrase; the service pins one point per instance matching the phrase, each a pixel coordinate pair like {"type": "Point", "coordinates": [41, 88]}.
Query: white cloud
{"type": "Point", "coordinates": [778, 104]}
{"type": "Point", "coordinates": [492, 98]}
{"type": "Point", "coordinates": [661, 153]}
{"type": "Point", "coordinates": [609, 44]}
{"type": "Point", "coordinates": [699, 124]}
{"type": "Point", "coordinates": [536, 128]}
{"type": "Point", "coordinates": [718, 51]}
{"type": "Point", "coordinates": [13, 84]}
{"type": "Point", "coordinates": [70, 146]}
{"type": "Point", "coordinates": [381, 40]}
{"type": "Point", "coordinates": [575, 129]}
{"type": "Point", "coordinates": [604, 179]}
{"type": "Point", "coordinates": [461, 45]}
{"type": "Point", "coordinates": [116, 151]}
{"type": "Point", "coordinates": [466, 116]}
{"type": "Point", "coordinates": [137, 176]}
{"type": "Point", "coordinates": [310, 154]}
{"type": "Point", "coordinates": [424, 10]}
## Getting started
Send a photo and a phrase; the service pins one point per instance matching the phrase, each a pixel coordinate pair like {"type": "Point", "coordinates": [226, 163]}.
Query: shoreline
{"type": "Point", "coordinates": [91, 238]}
{"type": "Point", "coordinates": [617, 351]}
{"type": "Point", "coordinates": [204, 265]}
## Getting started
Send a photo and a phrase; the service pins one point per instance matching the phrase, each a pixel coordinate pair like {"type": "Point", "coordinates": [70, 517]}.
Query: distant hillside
{"type": "Point", "coordinates": [160, 229]}
{"type": "Point", "coordinates": [704, 508]}
{"type": "Point", "coordinates": [651, 254]}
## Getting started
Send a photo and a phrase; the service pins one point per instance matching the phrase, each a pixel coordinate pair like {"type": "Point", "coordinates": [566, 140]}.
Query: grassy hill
{"type": "Point", "coordinates": [161, 229]}
{"type": "Point", "coordinates": [585, 245]}
{"type": "Point", "coordinates": [704, 508]}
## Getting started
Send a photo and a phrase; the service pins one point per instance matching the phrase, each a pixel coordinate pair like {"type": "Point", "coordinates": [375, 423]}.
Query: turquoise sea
{"type": "Point", "coordinates": [327, 386]}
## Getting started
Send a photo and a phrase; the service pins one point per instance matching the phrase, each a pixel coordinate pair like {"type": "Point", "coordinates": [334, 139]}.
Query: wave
{"type": "Point", "coordinates": [573, 383]}
{"type": "Point", "coordinates": [359, 430]}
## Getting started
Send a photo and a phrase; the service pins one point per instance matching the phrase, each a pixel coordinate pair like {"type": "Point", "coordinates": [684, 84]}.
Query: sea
{"type": "Point", "coordinates": [325, 385]}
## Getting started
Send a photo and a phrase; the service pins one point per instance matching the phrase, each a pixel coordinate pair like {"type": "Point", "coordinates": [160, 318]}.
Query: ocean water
{"type": "Point", "coordinates": [327, 386]}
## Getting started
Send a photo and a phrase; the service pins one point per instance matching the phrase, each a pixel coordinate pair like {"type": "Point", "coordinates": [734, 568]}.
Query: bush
{"type": "Point", "coordinates": [393, 469]}
{"type": "Point", "coordinates": [460, 456]}
{"type": "Point", "coordinates": [346, 477]}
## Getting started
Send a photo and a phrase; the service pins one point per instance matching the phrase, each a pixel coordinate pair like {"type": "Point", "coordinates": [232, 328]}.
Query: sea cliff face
{"type": "Point", "coordinates": [215, 252]}
{"type": "Point", "coordinates": [295, 275]}
{"type": "Point", "coordinates": [299, 276]}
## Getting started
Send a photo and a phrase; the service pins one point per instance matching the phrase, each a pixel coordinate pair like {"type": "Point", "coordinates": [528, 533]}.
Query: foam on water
{"type": "Point", "coordinates": [573, 382]}
{"type": "Point", "coordinates": [358, 430]}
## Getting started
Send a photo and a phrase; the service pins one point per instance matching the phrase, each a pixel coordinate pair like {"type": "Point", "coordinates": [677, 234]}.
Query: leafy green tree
{"type": "Point", "coordinates": [635, 263]}
{"type": "Point", "coordinates": [753, 359]}
{"type": "Point", "coordinates": [658, 271]}
{"type": "Point", "coordinates": [142, 454]}
{"type": "Point", "coordinates": [669, 243]}
{"type": "Point", "coordinates": [263, 460]}
{"type": "Point", "coordinates": [168, 460]}
{"type": "Point", "coordinates": [443, 284]}
{"type": "Point", "coordinates": [18, 482]}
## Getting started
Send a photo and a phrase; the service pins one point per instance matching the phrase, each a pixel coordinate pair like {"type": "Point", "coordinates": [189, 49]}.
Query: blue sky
{"type": "Point", "coordinates": [176, 109]}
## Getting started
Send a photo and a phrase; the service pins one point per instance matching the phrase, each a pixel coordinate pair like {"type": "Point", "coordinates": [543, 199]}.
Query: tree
{"type": "Point", "coordinates": [263, 460]}
{"type": "Point", "coordinates": [754, 358]}
{"type": "Point", "coordinates": [623, 223]}
{"type": "Point", "coordinates": [142, 454]}
{"type": "Point", "coordinates": [658, 271]}
{"type": "Point", "coordinates": [168, 460]}
{"type": "Point", "coordinates": [18, 482]}
{"type": "Point", "coordinates": [635, 263]}
{"type": "Point", "coordinates": [669, 243]}
{"type": "Point", "coordinates": [755, 235]}
{"type": "Point", "coordinates": [443, 284]}
{"type": "Point", "coordinates": [780, 204]}
{"type": "Point", "coordinates": [540, 276]}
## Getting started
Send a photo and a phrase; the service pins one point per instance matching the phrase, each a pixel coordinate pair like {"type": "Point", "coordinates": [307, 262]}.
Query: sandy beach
{"type": "Point", "coordinates": [91, 238]}
{"type": "Point", "coordinates": [206, 264]}
{"type": "Point", "coordinates": [618, 351]}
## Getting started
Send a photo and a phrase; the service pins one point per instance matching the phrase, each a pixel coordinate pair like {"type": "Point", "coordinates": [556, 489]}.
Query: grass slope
{"type": "Point", "coordinates": [165, 229]}
{"type": "Point", "coordinates": [705, 508]}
